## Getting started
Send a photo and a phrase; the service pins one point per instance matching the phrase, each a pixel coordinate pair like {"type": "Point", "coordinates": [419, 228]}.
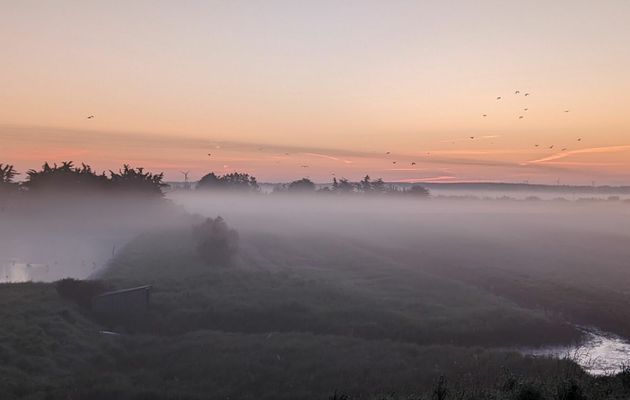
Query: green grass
{"type": "Point", "coordinates": [303, 319]}
{"type": "Point", "coordinates": [50, 350]}
{"type": "Point", "coordinates": [45, 341]}
{"type": "Point", "coordinates": [322, 288]}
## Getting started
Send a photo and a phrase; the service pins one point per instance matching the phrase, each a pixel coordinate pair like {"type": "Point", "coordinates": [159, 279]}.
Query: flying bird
{"type": "Point", "coordinates": [517, 92]}
{"type": "Point", "coordinates": [484, 115]}
{"type": "Point", "coordinates": [209, 154]}
{"type": "Point", "coordinates": [536, 145]}
{"type": "Point", "coordinates": [564, 149]}
{"type": "Point", "coordinates": [388, 152]}
{"type": "Point", "coordinates": [304, 166]}
{"type": "Point", "coordinates": [90, 117]}
{"type": "Point", "coordinates": [413, 163]}
{"type": "Point", "coordinates": [394, 162]}
{"type": "Point", "coordinates": [526, 94]}
{"type": "Point", "coordinates": [520, 117]}
{"type": "Point", "coordinates": [566, 111]}
{"type": "Point", "coordinates": [498, 97]}
{"type": "Point", "coordinates": [472, 137]}
{"type": "Point", "coordinates": [525, 109]}
{"type": "Point", "coordinates": [551, 147]}
{"type": "Point", "coordinates": [579, 139]}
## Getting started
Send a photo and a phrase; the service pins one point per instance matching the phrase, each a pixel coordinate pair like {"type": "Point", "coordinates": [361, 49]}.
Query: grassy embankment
{"type": "Point", "coordinates": [281, 323]}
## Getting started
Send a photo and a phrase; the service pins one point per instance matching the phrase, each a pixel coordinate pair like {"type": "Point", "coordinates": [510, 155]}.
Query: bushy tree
{"type": "Point", "coordinates": [302, 185]}
{"type": "Point", "coordinates": [344, 186]}
{"type": "Point", "coordinates": [378, 186]}
{"type": "Point", "coordinates": [135, 180]}
{"type": "Point", "coordinates": [7, 174]}
{"type": "Point", "coordinates": [7, 186]}
{"type": "Point", "coordinates": [65, 177]}
{"type": "Point", "coordinates": [209, 181]}
{"type": "Point", "coordinates": [216, 243]}
{"type": "Point", "coordinates": [369, 186]}
{"type": "Point", "coordinates": [69, 178]}
{"type": "Point", "coordinates": [232, 181]}
{"type": "Point", "coordinates": [418, 191]}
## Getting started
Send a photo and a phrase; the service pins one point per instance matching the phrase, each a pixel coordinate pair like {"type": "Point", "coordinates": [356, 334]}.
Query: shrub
{"type": "Point", "coordinates": [233, 181]}
{"type": "Point", "coordinates": [216, 243]}
{"type": "Point", "coordinates": [302, 185]}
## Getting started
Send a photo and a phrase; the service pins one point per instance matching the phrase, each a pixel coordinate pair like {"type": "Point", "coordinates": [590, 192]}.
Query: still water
{"type": "Point", "coordinates": [600, 353]}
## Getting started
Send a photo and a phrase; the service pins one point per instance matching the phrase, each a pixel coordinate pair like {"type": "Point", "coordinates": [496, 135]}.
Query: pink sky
{"type": "Point", "coordinates": [334, 84]}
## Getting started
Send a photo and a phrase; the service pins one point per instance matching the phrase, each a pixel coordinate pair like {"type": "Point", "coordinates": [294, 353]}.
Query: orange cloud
{"type": "Point", "coordinates": [592, 150]}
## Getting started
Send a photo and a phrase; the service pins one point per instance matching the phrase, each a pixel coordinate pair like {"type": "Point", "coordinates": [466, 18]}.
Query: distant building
{"type": "Point", "coordinates": [125, 302]}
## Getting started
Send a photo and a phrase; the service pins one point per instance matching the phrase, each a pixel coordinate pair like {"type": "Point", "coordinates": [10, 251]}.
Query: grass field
{"type": "Point", "coordinates": [313, 315]}
{"type": "Point", "coordinates": [50, 350]}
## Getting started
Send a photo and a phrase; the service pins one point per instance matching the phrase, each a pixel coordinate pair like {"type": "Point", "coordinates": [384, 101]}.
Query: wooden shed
{"type": "Point", "coordinates": [132, 301]}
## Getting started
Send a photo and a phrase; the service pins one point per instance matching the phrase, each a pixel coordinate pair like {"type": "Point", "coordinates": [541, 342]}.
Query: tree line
{"type": "Point", "coordinates": [69, 178]}
{"type": "Point", "coordinates": [246, 183]}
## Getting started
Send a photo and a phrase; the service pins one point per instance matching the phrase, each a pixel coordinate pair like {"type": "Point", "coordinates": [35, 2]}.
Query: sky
{"type": "Point", "coordinates": [288, 89]}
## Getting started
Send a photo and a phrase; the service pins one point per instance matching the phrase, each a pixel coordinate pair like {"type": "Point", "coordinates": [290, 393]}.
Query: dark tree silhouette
{"type": "Point", "coordinates": [302, 185]}
{"type": "Point", "coordinates": [369, 186]}
{"type": "Point", "coordinates": [209, 181]}
{"type": "Point", "coordinates": [65, 177]}
{"type": "Point", "coordinates": [378, 186]}
{"type": "Point", "coordinates": [68, 178]}
{"type": "Point", "coordinates": [233, 181]}
{"type": "Point", "coordinates": [365, 185]}
{"type": "Point", "coordinates": [135, 180]}
{"type": "Point", "coordinates": [418, 191]}
{"type": "Point", "coordinates": [216, 243]}
{"type": "Point", "coordinates": [7, 186]}
{"type": "Point", "coordinates": [345, 186]}
{"type": "Point", "coordinates": [7, 174]}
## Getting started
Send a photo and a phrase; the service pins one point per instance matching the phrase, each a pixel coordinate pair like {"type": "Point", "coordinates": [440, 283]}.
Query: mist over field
{"type": "Point", "coordinates": [314, 200]}
{"type": "Point", "coordinates": [77, 236]}
{"type": "Point", "coordinates": [587, 239]}
{"type": "Point", "coordinates": [380, 276]}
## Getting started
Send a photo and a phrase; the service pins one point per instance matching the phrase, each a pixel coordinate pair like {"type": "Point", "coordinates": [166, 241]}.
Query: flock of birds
{"type": "Point", "coordinates": [413, 163]}
{"type": "Point", "coordinates": [516, 92]}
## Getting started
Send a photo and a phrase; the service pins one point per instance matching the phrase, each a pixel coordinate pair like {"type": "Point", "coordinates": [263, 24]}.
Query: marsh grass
{"type": "Point", "coordinates": [261, 331]}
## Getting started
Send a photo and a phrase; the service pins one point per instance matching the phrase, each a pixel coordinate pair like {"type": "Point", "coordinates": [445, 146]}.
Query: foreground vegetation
{"type": "Point", "coordinates": [51, 349]}
{"type": "Point", "coordinates": [332, 296]}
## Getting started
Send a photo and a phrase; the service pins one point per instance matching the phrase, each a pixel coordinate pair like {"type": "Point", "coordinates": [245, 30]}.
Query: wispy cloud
{"type": "Point", "coordinates": [327, 157]}
{"type": "Point", "coordinates": [108, 139]}
{"type": "Point", "coordinates": [428, 179]}
{"type": "Point", "coordinates": [482, 152]}
{"type": "Point", "coordinates": [591, 150]}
